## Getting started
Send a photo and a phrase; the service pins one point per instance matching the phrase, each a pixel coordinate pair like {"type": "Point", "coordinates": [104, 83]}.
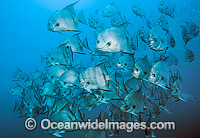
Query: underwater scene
{"type": "Point", "coordinates": [100, 69]}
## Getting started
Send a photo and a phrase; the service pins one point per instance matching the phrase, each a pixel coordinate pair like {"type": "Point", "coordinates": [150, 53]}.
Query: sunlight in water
{"type": "Point", "coordinates": [57, 4]}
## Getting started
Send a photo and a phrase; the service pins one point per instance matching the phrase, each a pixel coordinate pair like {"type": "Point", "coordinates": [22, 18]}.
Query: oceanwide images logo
{"type": "Point", "coordinates": [46, 124]}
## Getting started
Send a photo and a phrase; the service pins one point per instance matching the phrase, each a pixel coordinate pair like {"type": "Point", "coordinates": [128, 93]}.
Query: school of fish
{"type": "Point", "coordinates": [129, 84]}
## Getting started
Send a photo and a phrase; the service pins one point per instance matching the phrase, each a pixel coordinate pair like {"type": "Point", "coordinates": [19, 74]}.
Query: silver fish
{"type": "Point", "coordinates": [49, 89]}
{"type": "Point", "coordinates": [133, 84]}
{"type": "Point", "coordinates": [17, 91]}
{"type": "Point", "coordinates": [163, 22]}
{"type": "Point", "coordinates": [150, 23]}
{"type": "Point", "coordinates": [189, 55]}
{"type": "Point", "coordinates": [110, 10]}
{"type": "Point", "coordinates": [192, 29]}
{"type": "Point", "coordinates": [141, 68]}
{"type": "Point", "coordinates": [56, 56]}
{"type": "Point", "coordinates": [94, 78]}
{"type": "Point", "coordinates": [113, 39]}
{"type": "Point", "coordinates": [138, 11]}
{"type": "Point", "coordinates": [64, 115]}
{"type": "Point", "coordinates": [169, 58]}
{"type": "Point", "coordinates": [20, 76]}
{"type": "Point", "coordinates": [75, 43]}
{"type": "Point", "coordinates": [189, 31]}
{"type": "Point", "coordinates": [94, 21]}
{"type": "Point", "coordinates": [65, 19]}
{"type": "Point", "coordinates": [117, 20]}
{"type": "Point", "coordinates": [170, 39]}
{"type": "Point", "coordinates": [54, 72]}
{"type": "Point", "coordinates": [158, 39]}
{"type": "Point", "coordinates": [69, 78]}
{"type": "Point", "coordinates": [37, 74]}
{"type": "Point", "coordinates": [176, 90]}
{"type": "Point", "coordinates": [126, 62]}
{"type": "Point", "coordinates": [166, 7]}
{"type": "Point", "coordinates": [31, 102]}
{"type": "Point", "coordinates": [133, 103]}
{"type": "Point", "coordinates": [159, 75]}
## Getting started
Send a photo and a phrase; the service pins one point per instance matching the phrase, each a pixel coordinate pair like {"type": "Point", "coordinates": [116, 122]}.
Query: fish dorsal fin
{"type": "Point", "coordinates": [113, 4]}
{"type": "Point", "coordinates": [70, 8]}
{"type": "Point", "coordinates": [97, 11]}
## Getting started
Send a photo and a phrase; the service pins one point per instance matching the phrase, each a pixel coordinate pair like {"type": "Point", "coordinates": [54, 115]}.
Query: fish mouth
{"type": "Point", "coordinates": [50, 29]}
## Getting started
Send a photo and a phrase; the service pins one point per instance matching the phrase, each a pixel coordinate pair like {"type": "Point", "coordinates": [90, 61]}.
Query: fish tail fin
{"type": "Point", "coordinates": [85, 43]}
{"type": "Point", "coordinates": [43, 59]}
{"type": "Point", "coordinates": [81, 18]}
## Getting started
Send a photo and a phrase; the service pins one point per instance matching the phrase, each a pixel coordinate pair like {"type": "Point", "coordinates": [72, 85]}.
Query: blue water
{"type": "Point", "coordinates": [24, 37]}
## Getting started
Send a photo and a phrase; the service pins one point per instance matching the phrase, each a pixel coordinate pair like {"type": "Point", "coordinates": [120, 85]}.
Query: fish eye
{"type": "Point", "coordinates": [145, 73]}
{"type": "Point", "coordinates": [67, 47]}
{"type": "Point", "coordinates": [97, 41]}
{"type": "Point", "coordinates": [153, 75]}
{"type": "Point", "coordinates": [133, 106]}
{"type": "Point", "coordinates": [119, 62]}
{"type": "Point", "coordinates": [125, 64]}
{"type": "Point", "coordinates": [28, 104]}
{"type": "Point", "coordinates": [64, 91]}
{"type": "Point", "coordinates": [54, 90]}
{"type": "Point", "coordinates": [52, 77]}
{"type": "Point", "coordinates": [57, 24]}
{"type": "Point", "coordinates": [109, 43]}
{"type": "Point", "coordinates": [136, 69]}
{"type": "Point", "coordinates": [88, 82]}
{"type": "Point", "coordinates": [162, 78]}
{"type": "Point", "coordinates": [65, 82]}
{"type": "Point", "coordinates": [52, 58]}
